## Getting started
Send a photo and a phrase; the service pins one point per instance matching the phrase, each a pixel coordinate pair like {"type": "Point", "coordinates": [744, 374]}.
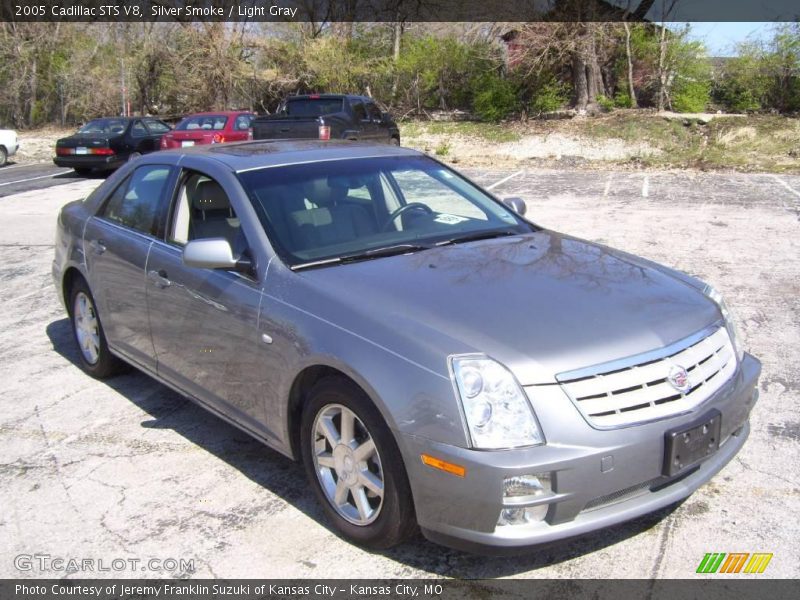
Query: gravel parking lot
{"type": "Point", "coordinates": [128, 469]}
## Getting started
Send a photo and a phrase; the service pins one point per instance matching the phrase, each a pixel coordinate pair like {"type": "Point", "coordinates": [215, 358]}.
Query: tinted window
{"type": "Point", "coordinates": [313, 107]}
{"type": "Point", "coordinates": [374, 112]}
{"type": "Point", "coordinates": [113, 126]}
{"type": "Point", "coordinates": [156, 126]}
{"type": "Point", "coordinates": [359, 111]}
{"type": "Point", "coordinates": [138, 129]}
{"type": "Point", "coordinates": [135, 203]}
{"type": "Point", "coordinates": [206, 122]}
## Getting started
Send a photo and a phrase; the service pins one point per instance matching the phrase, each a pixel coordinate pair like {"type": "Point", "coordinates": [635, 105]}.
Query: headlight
{"type": "Point", "coordinates": [497, 411]}
{"type": "Point", "coordinates": [730, 321]}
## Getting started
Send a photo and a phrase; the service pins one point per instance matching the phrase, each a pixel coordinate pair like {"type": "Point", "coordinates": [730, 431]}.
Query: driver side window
{"type": "Point", "coordinates": [202, 211]}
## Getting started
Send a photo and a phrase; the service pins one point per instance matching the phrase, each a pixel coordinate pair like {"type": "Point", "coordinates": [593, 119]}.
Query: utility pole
{"type": "Point", "coordinates": [122, 80]}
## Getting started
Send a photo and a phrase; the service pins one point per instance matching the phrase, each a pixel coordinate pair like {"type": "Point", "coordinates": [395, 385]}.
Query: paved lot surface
{"type": "Point", "coordinates": [128, 469]}
{"type": "Point", "coordinates": [22, 177]}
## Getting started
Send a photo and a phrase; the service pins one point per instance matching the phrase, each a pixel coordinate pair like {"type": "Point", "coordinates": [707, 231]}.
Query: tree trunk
{"type": "Point", "coordinates": [662, 69]}
{"type": "Point", "coordinates": [628, 55]}
{"type": "Point", "coordinates": [579, 82]}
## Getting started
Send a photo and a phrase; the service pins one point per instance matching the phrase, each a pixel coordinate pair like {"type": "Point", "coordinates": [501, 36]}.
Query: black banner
{"type": "Point", "coordinates": [395, 589]}
{"type": "Point", "coordinates": [397, 10]}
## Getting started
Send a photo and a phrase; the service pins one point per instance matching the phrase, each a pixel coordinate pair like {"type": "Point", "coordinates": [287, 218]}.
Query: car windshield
{"type": "Point", "coordinates": [206, 122]}
{"type": "Point", "coordinates": [345, 210]}
{"type": "Point", "coordinates": [313, 107]}
{"type": "Point", "coordinates": [104, 126]}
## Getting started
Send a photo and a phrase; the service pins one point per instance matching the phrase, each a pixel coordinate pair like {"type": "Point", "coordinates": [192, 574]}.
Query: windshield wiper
{"type": "Point", "coordinates": [366, 255]}
{"type": "Point", "coordinates": [476, 236]}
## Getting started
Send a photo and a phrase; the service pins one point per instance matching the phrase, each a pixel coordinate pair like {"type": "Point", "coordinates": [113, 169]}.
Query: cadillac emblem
{"type": "Point", "coordinates": [679, 379]}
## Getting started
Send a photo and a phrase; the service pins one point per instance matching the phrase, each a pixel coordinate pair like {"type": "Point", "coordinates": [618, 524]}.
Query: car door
{"type": "Point", "coordinates": [155, 129]}
{"type": "Point", "coordinates": [117, 241]}
{"type": "Point", "coordinates": [380, 130]}
{"type": "Point", "coordinates": [204, 321]}
{"type": "Point", "coordinates": [362, 121]}
{"type": "Point", "coordinates": [142, 141]}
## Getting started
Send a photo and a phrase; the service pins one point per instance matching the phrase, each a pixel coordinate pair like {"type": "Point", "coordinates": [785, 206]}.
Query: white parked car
{"type": "Point", "coordinates": [8, 145]}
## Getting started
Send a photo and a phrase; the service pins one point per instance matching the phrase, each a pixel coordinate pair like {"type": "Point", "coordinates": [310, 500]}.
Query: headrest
{"type": "Point", "coordinates": [209, 195]}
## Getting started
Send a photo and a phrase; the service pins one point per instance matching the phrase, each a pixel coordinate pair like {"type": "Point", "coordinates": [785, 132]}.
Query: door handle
{"type": "Point", "coordinates": [159, 278]}
{"type": "Point", "coordinates": [97, 246]}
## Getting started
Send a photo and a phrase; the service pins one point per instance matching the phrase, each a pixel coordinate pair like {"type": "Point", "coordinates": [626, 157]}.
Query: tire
{"type": "Point", "coordinates": [133, 156]}
{"type": "Point", "coordinates": [3, 156]}
{"type": "Point", "coordinates": [87, 331]}
{"type": "Point", "coordinates": [394, 141]}
{"type": "Point", "coordinates": [82, 171]}
{"type": "Point", "coordinates": [374, 522]}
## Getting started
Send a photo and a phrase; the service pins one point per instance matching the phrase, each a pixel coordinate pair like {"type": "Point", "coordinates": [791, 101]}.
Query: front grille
{"type": "Point", "coordinates": [609, 396]}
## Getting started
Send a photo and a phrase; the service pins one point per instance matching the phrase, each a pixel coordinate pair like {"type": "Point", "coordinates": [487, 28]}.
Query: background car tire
{"type": "Point", "coordinates": [82, 171]}
{"type": "Point", "coordinates": [395, 521]}
{"type": "Point", "coordinates": [133, 156]}
{"type": "Point", "coordinates": [394, 141]}
{"type": "Point", "coordinates": [106, 364]}
{"type": "Point", "coordinates": [3, 156]}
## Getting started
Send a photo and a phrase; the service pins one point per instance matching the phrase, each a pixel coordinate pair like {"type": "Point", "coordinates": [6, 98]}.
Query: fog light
{"type": "Point", "coordinates": [526, 485]}
{"type": "Point", "coordinates": [521, 516]}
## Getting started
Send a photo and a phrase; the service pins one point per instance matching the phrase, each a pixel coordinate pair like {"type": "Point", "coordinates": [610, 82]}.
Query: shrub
{"type": "Point", "coordinates": [549, 96]}
{"type": "Point", "coordinates": [605, 102]}
{"type": "Point", "coordinates": [494, 98]}
{"type": "Point", "coordinates": [622, 99]}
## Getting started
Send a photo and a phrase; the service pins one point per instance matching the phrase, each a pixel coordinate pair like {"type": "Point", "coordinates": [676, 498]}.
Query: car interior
{"type": "Point", "coordinates": [320, 212]}
{"type": "Point", "coordinates": [204, 211]}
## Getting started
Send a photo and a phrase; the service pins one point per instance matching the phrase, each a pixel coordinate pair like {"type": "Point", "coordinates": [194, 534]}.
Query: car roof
{"type": "Point", "coordinates": [248, 156]}
{"type": "Point", "coordinates": [227, 113]}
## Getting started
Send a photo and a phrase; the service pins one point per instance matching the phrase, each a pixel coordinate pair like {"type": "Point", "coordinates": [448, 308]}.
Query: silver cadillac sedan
{"type": "Point", "coordinates": [436, 360]}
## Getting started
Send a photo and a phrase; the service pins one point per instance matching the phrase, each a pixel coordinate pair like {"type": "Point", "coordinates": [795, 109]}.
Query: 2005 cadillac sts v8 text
{"type": "Point", "coordinates": [432, 357]}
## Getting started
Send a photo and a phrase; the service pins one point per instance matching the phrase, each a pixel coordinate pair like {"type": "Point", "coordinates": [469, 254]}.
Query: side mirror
{"type": "Point", "coordinates": [516, 204]}
{"type": "Point", "coordinates": [213, 253]}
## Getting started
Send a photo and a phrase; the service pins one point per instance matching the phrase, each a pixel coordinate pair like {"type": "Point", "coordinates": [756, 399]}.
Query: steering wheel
{"type": "Point", "coordinates": [403, 209]}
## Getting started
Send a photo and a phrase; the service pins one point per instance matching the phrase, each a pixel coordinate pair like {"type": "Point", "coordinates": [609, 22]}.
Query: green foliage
{"type": "Point", "coordinates": [443, 149]}
{"type": "Point", "coordinates": [743, 84]}
{"type": "Point", "coordinates": [495, 98]}
{"type": "Point", "coordinates": [605, 103]}
{"type": "Point", "coordinates": [690, 89]}
{"type": "Point", "coordinates": [622, 99]}
{"type": "Point", "coordinates": [550, 95]}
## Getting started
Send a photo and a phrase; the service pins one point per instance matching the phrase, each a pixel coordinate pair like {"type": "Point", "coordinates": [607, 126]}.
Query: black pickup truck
{"type": "Point", "coordinates": [328, 117]}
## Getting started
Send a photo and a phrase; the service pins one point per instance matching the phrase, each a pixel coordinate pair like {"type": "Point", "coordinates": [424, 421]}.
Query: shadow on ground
{"type": "Point", "coordinates": [286, 479]}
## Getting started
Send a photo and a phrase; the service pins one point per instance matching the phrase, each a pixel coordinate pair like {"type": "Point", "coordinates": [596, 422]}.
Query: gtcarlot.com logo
{"type": "Point", "coordinates": [47, 562]}
{"type": "Point", "coordinates": [734, 562]}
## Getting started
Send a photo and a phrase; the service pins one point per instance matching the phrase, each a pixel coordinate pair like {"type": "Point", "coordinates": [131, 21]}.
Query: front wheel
{"type": "Point", "coordinates": [354, 466]}
{"type": "Point", "coordinates": [3, 156]}
{"type": "Point", "coordinates": [95, 357]}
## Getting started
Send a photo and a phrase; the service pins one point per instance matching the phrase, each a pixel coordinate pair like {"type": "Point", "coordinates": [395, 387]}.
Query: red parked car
{"type": "Point", "coordinates": [210, 128]}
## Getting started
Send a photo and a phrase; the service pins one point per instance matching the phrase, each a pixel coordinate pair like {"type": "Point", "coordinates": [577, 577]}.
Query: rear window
{"type": "Point", "coordinates": [104, 126]}
{"type": "Point", "coordinates": [207, 122]}
{"type": "Point", "coordinates": [313, 107]}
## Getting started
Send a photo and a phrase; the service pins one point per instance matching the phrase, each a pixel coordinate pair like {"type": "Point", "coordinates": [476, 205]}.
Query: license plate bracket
{"type": "Point", "coordinates": [688, 445]}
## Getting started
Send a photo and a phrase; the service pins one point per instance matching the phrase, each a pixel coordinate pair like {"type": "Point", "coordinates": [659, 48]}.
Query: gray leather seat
{"type": "Point", "coordinates": [334, 221]}
{"type": "Point", "coordinates": [212, 215]}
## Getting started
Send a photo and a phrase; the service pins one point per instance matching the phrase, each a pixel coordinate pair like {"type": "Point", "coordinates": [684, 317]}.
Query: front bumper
{"type": "Point", "coordinates": [599, 477]}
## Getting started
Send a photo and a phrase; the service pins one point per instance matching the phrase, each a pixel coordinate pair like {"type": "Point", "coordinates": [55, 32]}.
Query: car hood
{"type": "Point", "coordinates": [542, 304]}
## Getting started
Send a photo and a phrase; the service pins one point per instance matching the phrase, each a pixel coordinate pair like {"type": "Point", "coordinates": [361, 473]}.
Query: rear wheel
{"type": "Point", "coordinates": [354, 465]}
{"type": "Point", "coordinates": [394, 141]}
{"type": "Point", "coordinates": [95, 357]}
{"type": "Point", "coordinates": [82, 171]}
{"type": "Point", "coordinates": [134, 156]}
{"type": "Point", "coordinates": [3, 156]}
